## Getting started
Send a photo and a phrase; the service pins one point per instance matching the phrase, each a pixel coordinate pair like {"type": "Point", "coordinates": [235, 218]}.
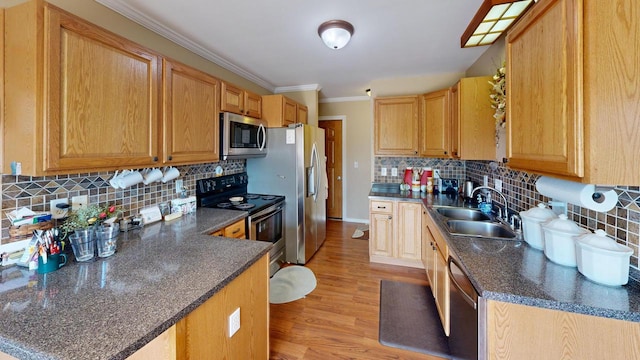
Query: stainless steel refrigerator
{"type": "Point", "coordinates": [295, 166]}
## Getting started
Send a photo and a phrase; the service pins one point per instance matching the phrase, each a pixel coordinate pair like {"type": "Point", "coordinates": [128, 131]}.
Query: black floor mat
{"type": "Point", "coordinates": [409, 319]}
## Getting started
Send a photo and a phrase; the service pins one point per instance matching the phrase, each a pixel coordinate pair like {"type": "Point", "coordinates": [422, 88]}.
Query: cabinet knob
{"type": "Point", "coordinates": [415, 152]}
{"type": "Point", "coordinates": [155, 158]}
{"type": "Point", "coordinates": [445, 153]}
{"type": "Point", "coordinates": [389, 217]}
{"type": "Point", "coordinates": [170, 157]}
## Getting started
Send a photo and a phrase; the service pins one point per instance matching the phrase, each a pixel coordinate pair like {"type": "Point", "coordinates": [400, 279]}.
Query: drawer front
{"type": "Point", "coordinates": [384, 207]}
{"type": "Point", "coordinates": [235, 230]}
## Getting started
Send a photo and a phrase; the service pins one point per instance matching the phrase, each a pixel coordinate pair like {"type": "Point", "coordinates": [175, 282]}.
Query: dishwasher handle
{"type": "Point", "coordinates": [465, 296]}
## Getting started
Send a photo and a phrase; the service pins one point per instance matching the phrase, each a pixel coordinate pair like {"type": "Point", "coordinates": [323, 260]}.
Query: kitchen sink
{"type": "Point", "coordinates": [480, 229]}
{"type": "Point", "coordinates": [463, 214]}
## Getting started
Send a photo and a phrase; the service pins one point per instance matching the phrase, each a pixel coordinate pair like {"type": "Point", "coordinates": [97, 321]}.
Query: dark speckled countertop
{"type": "Point", "coordinates": [111, 307]}
{"type": "Point", "coordinates": [512, 271]}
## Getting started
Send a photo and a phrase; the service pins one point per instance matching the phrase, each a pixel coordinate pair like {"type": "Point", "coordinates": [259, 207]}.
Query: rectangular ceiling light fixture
{"type": "Point", "coordinates": [491, 20]}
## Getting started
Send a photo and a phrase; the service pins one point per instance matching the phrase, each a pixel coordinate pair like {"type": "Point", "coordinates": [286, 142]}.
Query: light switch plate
{"type": "Point", "coordinates": [394, 171]}
{"type": "Point", "coordinates": [497, 183]}
{"type": "Point", "coordinates": [383, 172]}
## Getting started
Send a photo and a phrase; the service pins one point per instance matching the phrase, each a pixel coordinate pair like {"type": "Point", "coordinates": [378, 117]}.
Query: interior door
{"type": "Point", "coordinates": [333, 152]}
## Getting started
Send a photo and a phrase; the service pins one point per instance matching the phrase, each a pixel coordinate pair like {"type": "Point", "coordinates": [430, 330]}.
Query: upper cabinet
{"type": "Point", "coordinates": [280, 111]}
{"type": "Point", "coordinates": [396, 125]}
{"type": "Point", "coordinates": [571, 110]}
{"type": "Point", "coordinates": [472, 122]}
{"type": "Point", "coordinates": [190, 114]}
{"type": "Point", "coordinates": [240, 101]}
{"type": "Point", "coordinates": [435, 129]}
{"type": "Point", "coordinates": [77, 97]}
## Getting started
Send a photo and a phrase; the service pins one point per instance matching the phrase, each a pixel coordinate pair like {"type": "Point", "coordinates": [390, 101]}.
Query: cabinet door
{"type": "Point", "coordinates": [409, 229]}
{"type": "Point", "coordinates": [396, 126]}
{"type": "Point", "coordinates": [381, 242]}
{"type": "Point", "coordinates": [289, 111]}
{"type": "Point", "coordinates": [101, 97]}
{"type": "Point", "coordinates": [232, 98]}
{"type": "Point", "coordinates": [190, 115]}
{"type": "Point", "coordinates": [252, 104]}
{"type": "Point", "coordinates": [442, 288]}
{"type": "Point", "coordinates": [429, 253]}
{"type": "Point", "coordinates": [455, 121]}
{"type": "Point", "coordinates": [435, 124]}
{"type": "Point", "coordinates": [544, 87]}
{"type": "Point", "coordinates": [303, 113]}
{"type": "Point", "coordinates": [473, 117]}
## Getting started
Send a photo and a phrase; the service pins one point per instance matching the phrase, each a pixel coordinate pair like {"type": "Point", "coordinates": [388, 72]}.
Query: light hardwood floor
{"type": "Point", "coordinates": [339, 319]}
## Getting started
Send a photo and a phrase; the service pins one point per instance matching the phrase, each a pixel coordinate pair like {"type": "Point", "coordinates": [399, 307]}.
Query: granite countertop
{"type": "Point", "coordinates": [512, 271]}
{"type": "Point", "coordinates": [111, 307]}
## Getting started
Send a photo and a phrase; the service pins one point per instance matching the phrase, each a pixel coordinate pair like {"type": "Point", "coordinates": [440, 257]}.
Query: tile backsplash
{"type": "Point", "coordinates": [36, 192]}
{"type": "Point", "coordinates": [622, 223]}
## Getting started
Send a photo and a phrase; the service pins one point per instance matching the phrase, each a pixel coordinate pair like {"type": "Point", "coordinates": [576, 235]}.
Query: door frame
{"type": "Point", "coordinates": [343, 121]}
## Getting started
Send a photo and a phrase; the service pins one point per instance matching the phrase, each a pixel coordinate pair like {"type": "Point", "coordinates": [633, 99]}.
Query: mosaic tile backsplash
{"type": "Point", "coordinates": [622, 223]}
{"type": "Point", "coordinates": [36, 192]}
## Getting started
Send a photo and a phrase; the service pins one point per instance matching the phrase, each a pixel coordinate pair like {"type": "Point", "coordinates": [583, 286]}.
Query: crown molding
{"type": "Point", "coordinates": [134, 15]}
{"type": "Point", "coordinates": [308, 87]}
{"type": "Point", "coordinates": [345, 99]}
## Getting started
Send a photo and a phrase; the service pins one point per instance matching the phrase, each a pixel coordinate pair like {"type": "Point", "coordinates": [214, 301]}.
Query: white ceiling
{"type": "Point", "coordinates": [275, 43]}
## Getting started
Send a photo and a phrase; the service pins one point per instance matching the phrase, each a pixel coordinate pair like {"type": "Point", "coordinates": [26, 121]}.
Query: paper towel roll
{"type": "Point", "coordinates": [583, 195]}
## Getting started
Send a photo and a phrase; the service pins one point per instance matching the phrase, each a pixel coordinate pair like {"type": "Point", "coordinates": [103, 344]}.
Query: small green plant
{"type": "Point", "coordinates": [91, 215]}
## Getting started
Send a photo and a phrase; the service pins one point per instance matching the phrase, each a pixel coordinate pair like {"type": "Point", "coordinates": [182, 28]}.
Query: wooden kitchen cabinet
{"type": "Point", "coordinates": [428, 251]}
{"type": "Point", "coordinates": [77, 97]}
{"type": "Point", "coordinates": [437, 269]}
{"type": "Point", "coordinates": [570, 112]}
{"type": "Point", "coordinates": [303, 114]}
{"type": "Point", "coordinates": [395, 232]}
{"type": "Point", "coordinates": [203, 333]}
{"type": "Point", "coordinates": [472, 123]}
{"type": "Point", "coordinates": [235, 230]}
{"type": "Point", "coordinates": [190, 115]}
{"type": "Point", "coordinates": [435, 124]}
{"type": "Point", "coordinates": [523, 332]}
{"type": "Point", "coordinates": [396, 125]}
{"type": "Point", "coordinates": [280, 111]}
{"type": "Point", "coordinates": [240, 101]}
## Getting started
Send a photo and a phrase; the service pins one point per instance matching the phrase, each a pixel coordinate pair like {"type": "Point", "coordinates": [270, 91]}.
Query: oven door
{"type": "Point", "coordinates": [242, 137]}
{"type": "Point", "coordinates": [268, 224]}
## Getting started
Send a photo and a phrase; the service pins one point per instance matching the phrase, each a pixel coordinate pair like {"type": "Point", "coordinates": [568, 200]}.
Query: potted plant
{"type": "Point", "coordinates": [89, 217]}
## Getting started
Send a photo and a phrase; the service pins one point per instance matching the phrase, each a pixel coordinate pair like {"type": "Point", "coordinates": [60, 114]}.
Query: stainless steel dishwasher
{"type": "Point", "coordinates": [463, 332]}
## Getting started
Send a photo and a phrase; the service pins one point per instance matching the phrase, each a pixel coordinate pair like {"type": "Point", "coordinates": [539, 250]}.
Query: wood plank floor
{"type": "Point", "coordinates": [339, 319]}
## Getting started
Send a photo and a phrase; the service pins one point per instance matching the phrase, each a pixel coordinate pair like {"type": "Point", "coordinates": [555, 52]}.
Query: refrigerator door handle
{"type": "Point", "coordinates": [318, 173]}
{"type": "Point", "coordinates": [261, 129]}
{"type": "Point", "coordinates": [311, 190]}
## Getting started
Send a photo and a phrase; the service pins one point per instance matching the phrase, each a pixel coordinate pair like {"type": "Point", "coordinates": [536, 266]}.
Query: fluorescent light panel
{"type": "Point", "coordinates": [498, 18]}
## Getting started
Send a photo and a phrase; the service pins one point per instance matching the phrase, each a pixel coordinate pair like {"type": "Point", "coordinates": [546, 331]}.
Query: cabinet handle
{"type": "Point", "coordinates": [155, 158]}
{"type": "Point", "coordinates": [382, 207]}
{"type": "Point", "coordinates": [389, 217]}
{"type": "Point", "coordinates": [170, 158]}
{"type": "Point", "coordinates": [236, 231]}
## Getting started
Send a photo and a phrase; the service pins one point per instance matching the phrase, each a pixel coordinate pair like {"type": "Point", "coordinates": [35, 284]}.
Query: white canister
{"type": "Point", "coordinates": [559, 244]}
{"type": "Point", "coordinates": [602, 259]}
{"type": "Point", "coordinates": [531, 221]}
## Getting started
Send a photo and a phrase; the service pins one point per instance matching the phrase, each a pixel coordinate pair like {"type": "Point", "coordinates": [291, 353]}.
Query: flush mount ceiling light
{"type": "Point", "coordinates": [335, 33]}
{"type": "Point", "coordinates": [491, 20]}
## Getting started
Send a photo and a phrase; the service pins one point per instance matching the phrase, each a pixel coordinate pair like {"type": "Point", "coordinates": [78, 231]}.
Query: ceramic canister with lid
{"type": "Point", "coordinates": [601, 259]}
{"type": "Point", "coordinates": [559, 244]}
{"type": "Point", "coordinates": [531, 221]}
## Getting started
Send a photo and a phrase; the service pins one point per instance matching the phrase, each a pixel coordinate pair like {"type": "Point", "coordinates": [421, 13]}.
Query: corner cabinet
{"type": "Point", "coordinates": [395, 232]}
{"type": "Point", "coordinates": [190, 114]}
{"type": "Point", "coordinates": [240, 101]}
{"type": "Point", "coordinates": [435, 122]}
{"type": "Point", "coordinates": [396, 126]}
{"type": "Point", "coordinates": [570, 112]}
{"type": "Point", "coordinates": [77, 97]}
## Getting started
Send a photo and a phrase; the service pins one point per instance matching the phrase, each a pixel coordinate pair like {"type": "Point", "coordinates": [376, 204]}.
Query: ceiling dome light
{"type": "Point", "coordinates": [335, 33]}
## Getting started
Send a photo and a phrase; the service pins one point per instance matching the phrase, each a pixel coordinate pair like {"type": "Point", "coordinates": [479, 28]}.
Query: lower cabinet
{"type": "Point", "coordinates": [235, 230]}
{"type": "Point", "coordinates": [525, 332]}
{"type": "Point", "coordinates": [435, 260]}
{"type": "Point", "coordinates": [395, 232]}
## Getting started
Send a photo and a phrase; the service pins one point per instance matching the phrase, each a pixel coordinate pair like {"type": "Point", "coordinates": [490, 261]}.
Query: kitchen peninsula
{"type": "Point", "coordinates": [165, 276]}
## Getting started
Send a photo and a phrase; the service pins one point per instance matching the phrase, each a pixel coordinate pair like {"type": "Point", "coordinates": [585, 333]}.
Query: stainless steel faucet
{"type": "Point", "coordinates": [505, 216]}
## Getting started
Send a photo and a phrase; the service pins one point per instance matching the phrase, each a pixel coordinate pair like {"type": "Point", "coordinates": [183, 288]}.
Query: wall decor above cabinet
{"type": "Point", "coordinates": [280, 111]}
{"type": "Point", "coordinates": [570, 108]}
{"type": "Point", "coordinates": [77, 97]}
{"type": "Point", "coordinates": [240, 101]}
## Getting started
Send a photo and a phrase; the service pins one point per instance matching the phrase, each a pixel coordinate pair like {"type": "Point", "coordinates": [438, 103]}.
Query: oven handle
{"type": "Point", "coordinates": [269, 214]}
{"type": "Point", "coordinates": [465, 296]}
{"type": "Point", "coordinates": [262, 129]}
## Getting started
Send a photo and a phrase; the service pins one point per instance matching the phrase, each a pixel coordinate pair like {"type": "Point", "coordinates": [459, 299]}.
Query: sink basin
{"type": "Point", "coordinates": [463, 214]}
{"type": "Point", "coordinates": [385, 188]}
{"type": "Point", "coordinates": [480, 229]}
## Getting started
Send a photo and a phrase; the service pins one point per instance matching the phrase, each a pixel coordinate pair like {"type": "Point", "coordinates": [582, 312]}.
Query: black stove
{"type": "Point", "coordinates": [223, 192]}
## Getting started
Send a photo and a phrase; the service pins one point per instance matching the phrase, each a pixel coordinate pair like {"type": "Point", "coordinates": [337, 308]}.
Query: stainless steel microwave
{"type": "Point", "coordinates": [242, 137]}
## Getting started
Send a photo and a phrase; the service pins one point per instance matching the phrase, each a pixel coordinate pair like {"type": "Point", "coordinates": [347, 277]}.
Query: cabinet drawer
{"type": "Point", "coordinates": [378, 206]}
{"type": "Point", "coordinates": [235, 230]}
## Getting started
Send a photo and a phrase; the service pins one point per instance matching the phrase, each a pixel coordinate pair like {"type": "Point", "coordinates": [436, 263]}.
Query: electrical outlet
{"type": "Point", "coordinates": [497, 183]}
{"type": "Point", "coordinates": [56, 212]}
{"type": "Point", "coordinates": [355, 164]}
{"type": "Point", "coordinates": [383, 172]}
{"type": "Point", "coordinates": [234, 322]}
{"type": "Point", "coordinates": [394, 171]}
{"type": "Point", "coordinates": [79, 202]}
{"type": "Point", "coordinates": [485, 180]}
{"type": "Point", "coordinates": [179, 186]}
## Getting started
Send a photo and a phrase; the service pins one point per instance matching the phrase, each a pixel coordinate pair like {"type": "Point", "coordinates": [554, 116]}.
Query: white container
{"type": "Point", "coordinates": [531, 221]}
{"type": "Point", "coordinates": [603, 260]}
{"type": "Point", "coordinates": [559, 243]}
